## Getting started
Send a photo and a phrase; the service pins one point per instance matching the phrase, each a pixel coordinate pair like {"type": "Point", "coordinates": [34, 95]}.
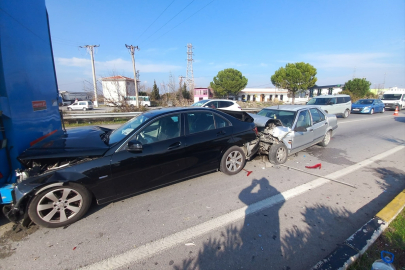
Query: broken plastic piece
{"type": "Point", "coordinates": [319, 165]}
{"type": "Point", "coordinates": [190, 244]}
{"type": "Point", "coordinates": [248, 172]}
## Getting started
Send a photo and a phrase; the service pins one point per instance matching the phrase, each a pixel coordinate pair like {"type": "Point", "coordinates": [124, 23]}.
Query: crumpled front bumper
{"type": "Point", "coordinates": [16, 210]}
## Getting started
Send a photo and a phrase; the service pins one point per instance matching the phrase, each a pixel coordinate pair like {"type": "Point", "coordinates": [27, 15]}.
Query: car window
{"type": "Point", "coordinates": [199, 103]}
{"type": "Point", "coordinates": [317, 116]}
{"type": "Point", "coordinates": [286, 117]}
{"type": "Point", "coordinates": [318, 101]}
{"type": "Point", "coordinates": [82, 103]}
{"type": "Point", "coordinates": [341, 100]}
{"type": "Point", "coordinates": [220, 122]}
{"type": "Point", "coordinates": [224, 104]}
{"type": "Point", "coordinates": [332, 101]}
{"type": "Point", "coordinates": [74, 103]}
{"type": "Point", "coordinates": [164, 128]}
{"type": "Point", "coordinates": [200, 121]}
{"type": "Point", "coordinates": [89, 102]}
{"type": "Point", "coordinates": [347, 99]}
{"type": "Point", "coordinates": [304, 119]}
{"type": "Point", "coordinates": [212, 104]}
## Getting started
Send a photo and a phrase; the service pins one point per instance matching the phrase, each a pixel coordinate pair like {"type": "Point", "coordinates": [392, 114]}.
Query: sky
{"type": "Point", "coordinates": [341, 39]}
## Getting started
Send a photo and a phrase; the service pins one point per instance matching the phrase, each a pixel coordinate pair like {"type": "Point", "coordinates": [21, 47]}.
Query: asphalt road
{"type": "Point", "coordinates": [275, 218]}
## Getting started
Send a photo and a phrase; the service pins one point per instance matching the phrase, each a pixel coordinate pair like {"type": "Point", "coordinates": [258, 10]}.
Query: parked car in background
{"type": "Point", "coordinates": [369, 106]}
{"type": "Point", "coordinates": [65, 170]}
{"type": "Point", "coordinates": [81, 105]}
{"type": "Point", "coordinates": [393, 99]}
{"type": "Point", "coordinates": [333, 104]}
{"type": "Point", "coordinates": [224, 104]}
{"type": "Point", "coordinates": [288, 129]}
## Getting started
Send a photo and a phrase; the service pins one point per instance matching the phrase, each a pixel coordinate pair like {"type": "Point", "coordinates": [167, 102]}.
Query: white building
{"type": "Point", "coordinates": [270, 94]}
{"type": "Point", "coordinates": [116, 88]}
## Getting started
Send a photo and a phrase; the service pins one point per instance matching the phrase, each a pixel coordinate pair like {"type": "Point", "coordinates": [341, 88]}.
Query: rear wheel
{"type": "Point", "coordinates": [233, 161]}
{"type": "Point", "coordinates": [59, 206]}
{"type": "Point", "coordinates": [326, 139]}
{"type": "Point", "coordinates": [69, 109]}
{"type": "Point", "coordinates": [278, 153]}
{"type": "Point", "coordinates": [84, 109]}
{"type": "Point", "coordinates": [346, 114]}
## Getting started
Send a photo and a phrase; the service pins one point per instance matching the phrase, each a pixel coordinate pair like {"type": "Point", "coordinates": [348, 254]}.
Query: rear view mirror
{"type": "Point", "coordinates": [134, 146]}
{"type": "Point", "coordinates": [300, 129]}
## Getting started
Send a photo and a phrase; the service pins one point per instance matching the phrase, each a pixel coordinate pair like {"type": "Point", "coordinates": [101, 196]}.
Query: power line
{"type": "Point", "coordinates": [169, 20]}
{"type": "Point", "coordinates": [156, 18]}
{"type": "Point", "coordinates": [181, 22]}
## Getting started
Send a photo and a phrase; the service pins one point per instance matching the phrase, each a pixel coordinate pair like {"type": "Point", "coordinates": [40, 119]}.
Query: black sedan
{"type": "Point", "coordinates": [66, 170]}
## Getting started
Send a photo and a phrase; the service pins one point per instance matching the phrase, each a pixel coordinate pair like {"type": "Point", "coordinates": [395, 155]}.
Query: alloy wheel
{"type": "Point", "coordinates": [281, 153]}
{"type": "Point", "coordinates": [234, 161]}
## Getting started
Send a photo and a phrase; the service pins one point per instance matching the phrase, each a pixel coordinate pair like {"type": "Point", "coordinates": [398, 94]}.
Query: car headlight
{"type": "Point", "coordinates": [366, 109]}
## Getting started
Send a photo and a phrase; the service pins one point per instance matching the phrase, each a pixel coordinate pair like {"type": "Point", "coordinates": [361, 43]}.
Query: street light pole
{"type": "Point", "coordinates": [132, 51]}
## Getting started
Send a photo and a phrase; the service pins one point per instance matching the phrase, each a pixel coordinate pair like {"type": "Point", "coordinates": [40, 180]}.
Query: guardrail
{"type": "Point", "coordinates": [117, 115]}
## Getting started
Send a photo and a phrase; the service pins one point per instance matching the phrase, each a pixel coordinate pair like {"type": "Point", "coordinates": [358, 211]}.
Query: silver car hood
{"type": "Point", "coordinates": [262, 121]}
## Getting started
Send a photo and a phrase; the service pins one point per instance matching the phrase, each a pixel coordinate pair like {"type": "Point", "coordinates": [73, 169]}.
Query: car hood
{"type": "Point", "coordinates": [279, 131]}
{"type": "Point", "coordinates": [76, 142]}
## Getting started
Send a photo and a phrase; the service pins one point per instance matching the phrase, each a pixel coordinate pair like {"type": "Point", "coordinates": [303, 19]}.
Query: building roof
{"type": "Point", "coordinates": [327, 86]}
{"type": "Point", "coordinates": [117, 78]}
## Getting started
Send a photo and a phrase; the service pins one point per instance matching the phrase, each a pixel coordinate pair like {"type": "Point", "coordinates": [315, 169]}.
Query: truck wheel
{"type": "Point", "coordinates": [278, 153]}
{"type": "Point", "coordinates": [232, 161]}
{"type": "Point", "coordinates": [326, 139]}
{"type": "Point", "coordinates": [59, 206]}
{"type": "Point", "coordinates": [346, 114]}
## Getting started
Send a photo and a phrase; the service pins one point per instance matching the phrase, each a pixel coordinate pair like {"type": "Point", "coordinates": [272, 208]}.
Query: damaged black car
{"type": "Point", "coordinates": [64, 172]}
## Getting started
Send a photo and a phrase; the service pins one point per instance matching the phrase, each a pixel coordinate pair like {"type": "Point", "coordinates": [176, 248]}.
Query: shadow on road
{"type": "Point", "coordinates": [258, 244]}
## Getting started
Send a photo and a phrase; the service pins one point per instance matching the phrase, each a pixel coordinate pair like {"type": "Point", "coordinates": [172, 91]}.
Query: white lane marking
{"type": "Point", "coordinates": [160, 245]}
{"type": "Point", "coordinates": [339, 123]}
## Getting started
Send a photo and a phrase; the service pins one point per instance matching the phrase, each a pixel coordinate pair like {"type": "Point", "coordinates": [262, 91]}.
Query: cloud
{"type": "Point", "coordinates": [120, 64]}
{"type": "Point", "coordinates": [349, 60]}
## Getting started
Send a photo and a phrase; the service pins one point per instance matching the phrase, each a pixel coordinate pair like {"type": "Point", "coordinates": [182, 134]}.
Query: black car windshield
{"type": "Point", "coordinates": [391, 96]}
{"type": "Point", "coordinates": [121, 132]}
{"type": "Point", "coordinates": [199, 103]}
{"type": "Point", "coordinates": [286, 117]}
{"type": "Point", "coordinates": [364, 101]}
{"type": "Point", "coordinates": [318, 101]}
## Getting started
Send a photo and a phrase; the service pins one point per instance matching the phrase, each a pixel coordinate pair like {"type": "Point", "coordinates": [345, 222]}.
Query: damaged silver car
{"type": "Point", "coordinates": [288, 129]}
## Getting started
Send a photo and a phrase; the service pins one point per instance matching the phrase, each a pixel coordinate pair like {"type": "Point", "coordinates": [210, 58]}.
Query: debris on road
{"type": "Point", "coordinates": [248, 172]}
{"type": "Point", "coordinates": [319, 165]}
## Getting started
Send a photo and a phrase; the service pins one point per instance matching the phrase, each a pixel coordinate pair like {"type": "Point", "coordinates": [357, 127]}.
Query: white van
{"type": "Point", "coordinates": [333, 104]}
{"type": "Point", "coordinates": [393, 99]}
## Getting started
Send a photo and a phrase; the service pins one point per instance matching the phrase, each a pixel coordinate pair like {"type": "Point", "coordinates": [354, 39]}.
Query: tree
{"type": "Point", "coordinates": [295, 78]}
{"type": "Point", "coordinates": [228, 82]}
{"type": "Point", "coordinates": [155, 92]}
{"type": "Point", "coordinates": [184, 92]}
{"type": "Point", "coordinates": [358, 87]}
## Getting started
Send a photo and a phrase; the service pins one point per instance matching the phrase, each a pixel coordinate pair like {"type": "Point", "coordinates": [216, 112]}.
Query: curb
{"type": "Point", "coordinates": [354, 246]}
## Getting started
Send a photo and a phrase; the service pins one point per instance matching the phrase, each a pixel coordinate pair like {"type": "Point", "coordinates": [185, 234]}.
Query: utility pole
{"type": "Point", "coordinates": [90, 49]}
{"type": "Point", "coordinates": [190, 74]}
{"type": "Point", "coordinates": [132, 51]}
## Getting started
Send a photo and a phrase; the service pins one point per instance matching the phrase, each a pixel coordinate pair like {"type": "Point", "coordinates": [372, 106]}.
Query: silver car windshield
{"type": "Point", "coordinates": [121, 132]}
{"type": "Point", "coordinates": [286, 117]}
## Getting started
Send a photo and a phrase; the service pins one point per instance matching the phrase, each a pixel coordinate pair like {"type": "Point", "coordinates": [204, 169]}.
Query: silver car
{"type": "Point", "coordinates": [288, 129]}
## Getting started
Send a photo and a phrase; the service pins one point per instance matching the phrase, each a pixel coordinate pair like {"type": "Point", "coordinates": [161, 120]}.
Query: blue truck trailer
{"type": "Point", "coordinates": [29, 110]}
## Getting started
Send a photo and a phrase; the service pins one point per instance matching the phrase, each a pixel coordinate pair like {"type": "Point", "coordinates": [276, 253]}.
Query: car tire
{"type": "Point", "coordinates": [346, 114]}
{"type": "Point", "coordinates": [69, 109]}
{"type": "Point", "coordinates": [372, 111]}
{"type": "Point", "coordinates": [326, 139]}
{"type": "Point", "coordinates": [233, 161]}
{"type": "Point", "coordinates": [278, 153]}
{"type": "Point", "coordinates": [383, 110]}
{"type": "Point", "coordinates": [146, 105]}
{"type": "Point", "coordinates": [46, 208]}
{"type": "Point", "coordinates": [84, 109]}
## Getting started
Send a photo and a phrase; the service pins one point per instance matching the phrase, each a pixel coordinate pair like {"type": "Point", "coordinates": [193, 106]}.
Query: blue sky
{"type": "Point", "coordinates": [341, 39]}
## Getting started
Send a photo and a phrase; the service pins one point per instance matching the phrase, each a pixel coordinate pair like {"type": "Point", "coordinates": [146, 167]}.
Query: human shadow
{"type": "Point", "coordinates": [251, 245]}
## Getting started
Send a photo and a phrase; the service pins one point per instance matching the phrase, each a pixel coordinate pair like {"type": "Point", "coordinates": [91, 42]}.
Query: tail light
{"type": "Point", "coordinates": [239, 108]}
{"type": "Point", "coordinates": [255, 130]}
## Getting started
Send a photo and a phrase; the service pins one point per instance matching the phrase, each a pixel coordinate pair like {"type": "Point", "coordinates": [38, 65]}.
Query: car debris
{"type": "Point", "coordinates": [319, 165]}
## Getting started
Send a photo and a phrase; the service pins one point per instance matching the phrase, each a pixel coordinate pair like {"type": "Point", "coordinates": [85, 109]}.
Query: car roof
{"type": "Point", "coordinates": [291, 107]}
{"type": "Point", "coordinates": [219, 100]}
{"type": "Point", "coordinates": [331, 96]}
{"type": "Point", "coordinates": [153, 113]}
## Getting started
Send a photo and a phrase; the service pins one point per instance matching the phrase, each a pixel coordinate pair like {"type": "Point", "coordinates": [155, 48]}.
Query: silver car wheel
{"type": "Point", "coordinates": [59, 205]}
{"type": "Point", "coordinates": [234, 161]}
{"type": "Point", "coordinates": [326, 140]}
{"type": "Point", "coordinates": [281, 153]}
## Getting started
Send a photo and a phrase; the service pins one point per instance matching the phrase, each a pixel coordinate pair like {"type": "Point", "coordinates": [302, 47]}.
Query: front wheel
{"type": "Point", "coordinates": [383, 110]}
{"type": "Point", "coordinates": [84, 109]}
{"type": "Point", "coordinates": [346, 114]}
{"type": "Point", "coordinates": [146, 105]}
{"type": "Point", "coordinates": [372, 111]}
{"type": "Point", "coordinates": [59, 206]}
{"type": "Point", "coordinates": [232, 161]}
{"type": "Point", "coordinates": [278, 153]}
{"type": "Point", "coordinates": [69, 109]}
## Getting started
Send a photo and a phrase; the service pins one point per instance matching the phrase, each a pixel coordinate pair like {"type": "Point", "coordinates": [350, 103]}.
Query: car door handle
{"type": "Point", "coordinates": [174, 145]}
{"type": "Point", "coordinates": [326, 123]}
{"type": "Point", "coordinates": [310, 130]}
{"type": "Point", "coordinates": [222, 132]}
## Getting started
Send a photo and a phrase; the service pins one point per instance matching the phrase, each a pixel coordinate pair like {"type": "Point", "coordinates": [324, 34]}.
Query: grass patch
{"type": "Point", "coordinates": [391, 240]}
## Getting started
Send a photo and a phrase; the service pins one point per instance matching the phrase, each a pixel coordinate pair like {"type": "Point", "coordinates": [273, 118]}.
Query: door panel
{"type": "Point", "coordinates": [303, 138]}
{"type": "Point", "coordinates": [319, 124]}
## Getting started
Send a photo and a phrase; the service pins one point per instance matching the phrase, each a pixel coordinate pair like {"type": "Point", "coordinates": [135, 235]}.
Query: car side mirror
{"type": "Point", "coordinates": [330, 103]}
{"type": "Point", "coordinates": [135, 146]}
{"type": "Point", "coordinates": [300, 129]}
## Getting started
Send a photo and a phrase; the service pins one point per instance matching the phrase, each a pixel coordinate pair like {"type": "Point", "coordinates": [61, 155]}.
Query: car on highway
{"type": "Point", "coordinates": [333, 104]}
{"type": "Point", "coordinates": [63, 172]}
{"type": "Point", "coordinates": [224, 104]}
{"type": "Point", "coordinates": [287, 129]}
{"type": "Point", "coordinates": [83, 105]}
{"type": "Point", "coordinates": [369, 106]}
